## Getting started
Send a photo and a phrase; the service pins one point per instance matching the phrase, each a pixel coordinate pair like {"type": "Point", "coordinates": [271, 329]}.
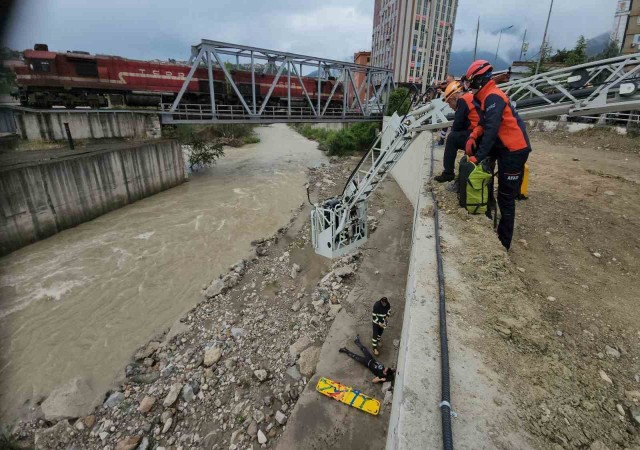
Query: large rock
{"type": "Point", "coordinates": [308, 361]}
{"type": "Point", "coordinates": [216, 288]}
{"type": "Point", "coordinates": [299, 346]}
{"type": "Point", "coordinates": [129, 443]}
{"type": "Point", "coordinates": [294, 373]}
{"type": "Point", "coordinates": [260, 374]}
{"type": "Point", "coordinates": [344, 271]}
{"type": "Point", "coordinates": [635, 413]}
{"type": "Point", "coordinates": [172, 396]}
{"type": "Point", "coordinates": [52, 437]}
{"type": "Point", "coordinates": [262, 439]}
{"type": "Point", "coordinates": [147, 351]}
{"type": "Point", "coordinates": [146, 404]}
{"type": "Point", "coordinates": [69, 401]}
{"type": "Point", "coordinates": [280, 418]}
{"type": "Point", "coordinates": [334, 310]}
{"type": "Point", "coordinates": [212, 355]}
{"type": "Point", "coordinates": [114, 400]}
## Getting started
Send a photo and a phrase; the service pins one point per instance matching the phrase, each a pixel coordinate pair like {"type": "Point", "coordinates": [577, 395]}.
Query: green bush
{"type": "Point", "coordinates": [341, 144]}
{"type": "Point", "coordinates": [358, 137]}
{"type": "Point", "coordinates": [399, 102]}
{"type": "Point", "coordinates": [203, 154]}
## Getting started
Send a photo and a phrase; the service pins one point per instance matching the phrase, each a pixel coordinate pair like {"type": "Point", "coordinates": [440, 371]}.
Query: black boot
{"type": "Point", "coordinates": [444, 177]}
{"type": "Point", "coordinates": [343, 350]}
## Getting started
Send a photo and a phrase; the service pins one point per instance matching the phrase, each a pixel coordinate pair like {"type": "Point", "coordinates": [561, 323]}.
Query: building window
{"type": "Point", "coordinates": [638, 20]}
{"type": "Point", "coordinates": [636, 40]}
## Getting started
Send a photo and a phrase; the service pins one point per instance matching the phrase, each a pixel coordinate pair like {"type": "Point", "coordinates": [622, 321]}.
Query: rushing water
{"type": "Point", "coordinates": [82, 301]}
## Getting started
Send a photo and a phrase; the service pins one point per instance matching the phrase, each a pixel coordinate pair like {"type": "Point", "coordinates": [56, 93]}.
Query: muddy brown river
{"type": "Point", "coordinates": [81, 302]}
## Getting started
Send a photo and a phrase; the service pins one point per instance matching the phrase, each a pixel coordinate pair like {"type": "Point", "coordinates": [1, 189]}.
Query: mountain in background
{"type": "Point", "coordinates": [460, 61]}
{"type": "Point", "coordinates": [597, 44]}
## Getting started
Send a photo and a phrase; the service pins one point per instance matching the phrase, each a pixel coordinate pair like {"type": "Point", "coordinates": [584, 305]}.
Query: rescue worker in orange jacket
{"type": "Point", "coordinates": [465, 125]}
{"type": "Point", "coordinates": [504, 139]}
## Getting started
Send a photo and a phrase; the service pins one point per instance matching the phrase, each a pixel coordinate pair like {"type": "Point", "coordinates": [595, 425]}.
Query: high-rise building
{"type": "Point", "coordinates": [620, 21]}
{"type": "Point", "coordinates": [413, 37]}
{"type": "Point", "coordinates": [626, 26]}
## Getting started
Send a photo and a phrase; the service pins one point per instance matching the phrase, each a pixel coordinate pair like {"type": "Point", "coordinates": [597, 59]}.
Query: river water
{"type": "Point", "coordinates": [81, 302]}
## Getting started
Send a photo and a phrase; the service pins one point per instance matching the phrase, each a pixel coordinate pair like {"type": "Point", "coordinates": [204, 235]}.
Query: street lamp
{"type": "Point", "coordinates": [498, 47]}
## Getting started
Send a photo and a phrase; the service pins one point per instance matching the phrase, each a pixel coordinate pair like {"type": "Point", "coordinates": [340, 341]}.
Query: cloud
{"type": "Point", "coordinates": [329, 28]}
{"type": "Point", "coordinates": [569, 20]}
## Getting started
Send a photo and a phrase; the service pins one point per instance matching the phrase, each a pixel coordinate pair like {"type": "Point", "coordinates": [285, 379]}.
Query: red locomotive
{"type": "Point", "coordinates": [78, 78]}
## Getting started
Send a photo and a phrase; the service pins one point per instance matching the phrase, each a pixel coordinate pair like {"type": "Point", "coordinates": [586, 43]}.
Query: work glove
{"type": "Point", "coordinates": [471, 146]}
{"type": "Point", "coordinates": [473, 159]}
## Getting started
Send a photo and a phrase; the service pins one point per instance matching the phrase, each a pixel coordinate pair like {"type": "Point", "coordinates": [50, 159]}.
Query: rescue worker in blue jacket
{"type": "Point", "coordinates": [504, 139]}
{"type": "Point", "coordinates": [465, 124]}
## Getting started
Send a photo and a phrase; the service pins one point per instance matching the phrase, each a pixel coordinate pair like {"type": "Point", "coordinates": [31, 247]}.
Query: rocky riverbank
{"type": "Point", "coordinates": [230, 371]}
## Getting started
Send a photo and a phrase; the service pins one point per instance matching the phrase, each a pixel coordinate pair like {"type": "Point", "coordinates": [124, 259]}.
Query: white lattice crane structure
{"type": "Point", "coordinates": [339, 224]}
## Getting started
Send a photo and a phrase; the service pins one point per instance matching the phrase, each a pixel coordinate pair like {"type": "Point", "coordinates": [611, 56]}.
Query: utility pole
{"type": "Point", "coordinates": [522, 46]}
{"type": "Point", "coordinates": [495, 59]}
{"type": "Point", "coordinates": [544, 39]}
{"type": "Point", "coordinates": [475, 48]}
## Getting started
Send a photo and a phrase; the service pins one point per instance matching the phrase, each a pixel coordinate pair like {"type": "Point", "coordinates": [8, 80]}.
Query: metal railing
{"type": "Point", "coordinates": [190, 113]}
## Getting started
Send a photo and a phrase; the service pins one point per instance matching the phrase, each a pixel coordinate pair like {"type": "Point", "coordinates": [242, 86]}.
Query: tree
{"type": "Point", "coordinates": [579, 53]}
{"type": "Point", "coordinates": [399, 101]}
{"type": "Point", "coordinates": [203, 154]}
{"type": "Point", "coordinates": [610, 51]}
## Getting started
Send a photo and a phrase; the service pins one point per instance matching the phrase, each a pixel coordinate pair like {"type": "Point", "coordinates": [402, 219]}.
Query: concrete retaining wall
{"type": "Point", "coordinates": [49, 126]}
{"type": "Point", "coordinates": [570, 127]}
{"type": "Point", "coordinates": [414, 421]}
{"type": "Point", "coordinates": [41, 198]}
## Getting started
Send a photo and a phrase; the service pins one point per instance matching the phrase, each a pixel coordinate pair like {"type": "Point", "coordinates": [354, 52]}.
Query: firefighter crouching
{"type": "Point", "coordinates": [504, 139]}
{"type": "Point", "coordinates": [465, 125]}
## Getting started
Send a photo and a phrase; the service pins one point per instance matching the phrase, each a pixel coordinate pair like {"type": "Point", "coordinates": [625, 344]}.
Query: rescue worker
{"type": "Point", "coordinates": [381, 311]}
{"type": "Point", "coordinates": [381, 372]}
{"type": "Point", "coordinates": [504, 139]}
{"type": "Point", "coordinates": [465, 124]}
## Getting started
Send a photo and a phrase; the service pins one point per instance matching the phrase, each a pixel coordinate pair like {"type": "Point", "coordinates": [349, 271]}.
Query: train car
{"type": "Point", "coordinates": [78, 78]}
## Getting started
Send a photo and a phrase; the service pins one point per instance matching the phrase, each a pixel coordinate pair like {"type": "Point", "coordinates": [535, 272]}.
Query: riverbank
{"type": "Point", "coordinates": [79, 303]}
{"type": "Point", "coordinates": [230, 373]}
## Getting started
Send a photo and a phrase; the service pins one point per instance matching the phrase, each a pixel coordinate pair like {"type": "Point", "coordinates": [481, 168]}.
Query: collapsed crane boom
{"type": "Point", "coordinates": [339, 224]}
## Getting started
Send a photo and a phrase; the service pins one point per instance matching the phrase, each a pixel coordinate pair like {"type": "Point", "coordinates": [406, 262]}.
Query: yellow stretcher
{"type": "Point", "coordinates": [348, 396]}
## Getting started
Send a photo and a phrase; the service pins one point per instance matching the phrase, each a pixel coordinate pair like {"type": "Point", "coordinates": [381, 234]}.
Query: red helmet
{"type": "Point", "coordinates": [478, 73]}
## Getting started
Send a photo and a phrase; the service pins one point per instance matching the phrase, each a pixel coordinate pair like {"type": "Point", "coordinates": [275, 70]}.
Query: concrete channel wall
{"type": "Point", "coordinates": [35, 125]}
{"type": "Point", "coordinates": [41, 198]}
{"type": "Point", "coordinates": [415, 418]}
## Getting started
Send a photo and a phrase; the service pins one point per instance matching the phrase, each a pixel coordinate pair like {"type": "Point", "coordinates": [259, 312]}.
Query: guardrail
{"type": "Point", "coordinates": [190, 113]}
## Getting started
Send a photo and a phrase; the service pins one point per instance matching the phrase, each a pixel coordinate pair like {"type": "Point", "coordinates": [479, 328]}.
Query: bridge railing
{"type": "Point", "coordinates": [330, 90]}
{"type": "Point", "coordinates": [194, 113]}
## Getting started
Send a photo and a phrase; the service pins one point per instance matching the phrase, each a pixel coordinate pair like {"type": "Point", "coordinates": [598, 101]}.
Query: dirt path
{"type": "Point", "coordinates": [318, 422]}
{"type": "Point", "coordinates": [559, 316]}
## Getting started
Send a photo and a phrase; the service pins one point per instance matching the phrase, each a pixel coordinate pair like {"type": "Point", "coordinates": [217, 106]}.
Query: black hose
{"type": "Point", "coordinates": [445, 404]}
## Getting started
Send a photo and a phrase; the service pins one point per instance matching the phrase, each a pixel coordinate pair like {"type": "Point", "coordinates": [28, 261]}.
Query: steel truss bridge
{"type": "Point", "coordinates": [361, 101]}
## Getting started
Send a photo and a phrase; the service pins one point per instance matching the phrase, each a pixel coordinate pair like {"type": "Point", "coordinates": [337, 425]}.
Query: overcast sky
{"type": "Point", "coordinates": [164, 29]}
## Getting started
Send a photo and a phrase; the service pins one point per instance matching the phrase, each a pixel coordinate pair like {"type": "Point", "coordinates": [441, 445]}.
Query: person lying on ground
{"type": "Point", "coordinates": [381, 372]}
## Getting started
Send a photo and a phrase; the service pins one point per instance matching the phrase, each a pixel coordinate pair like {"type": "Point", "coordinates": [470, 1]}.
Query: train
{"type": "Point", "coordinates": [78, 78]}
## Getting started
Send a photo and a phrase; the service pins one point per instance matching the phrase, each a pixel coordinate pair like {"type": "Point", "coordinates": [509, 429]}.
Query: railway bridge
{"type": "Point", "coordinates": [357, 93]}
